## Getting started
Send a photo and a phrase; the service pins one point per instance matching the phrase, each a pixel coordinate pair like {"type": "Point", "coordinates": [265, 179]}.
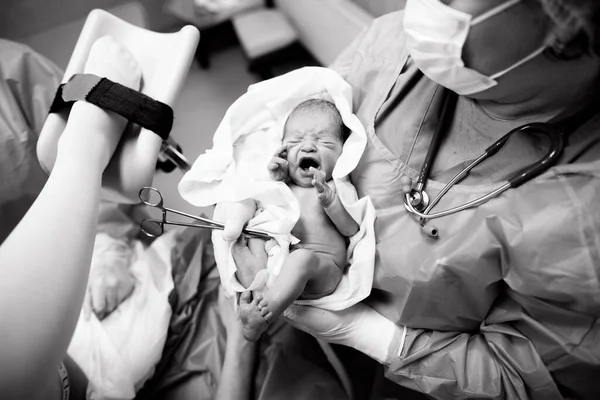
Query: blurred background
{"type": "Point", "coordinates": [242, 42]}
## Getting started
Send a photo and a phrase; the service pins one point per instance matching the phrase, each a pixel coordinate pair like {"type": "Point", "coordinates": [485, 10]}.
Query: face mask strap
{"type": "Point", "coordinates": [494, 11]}
{"type": "Point", "coordinates": [519, 63]}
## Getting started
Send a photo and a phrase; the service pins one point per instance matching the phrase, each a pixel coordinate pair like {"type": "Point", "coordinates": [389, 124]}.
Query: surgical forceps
{"type": "Point", "coordinates": [154, 227]}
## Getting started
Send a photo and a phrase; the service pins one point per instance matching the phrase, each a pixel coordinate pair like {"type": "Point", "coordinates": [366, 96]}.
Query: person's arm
{"type": "Point", "coordinates": [45, 261]}
{"type": "Point", "coordinates": [240, 355]}
{"type": "Point", "coordinates": [236, 375]}
{"type": "Point", "coordinates": [44, 265]}
{"type": "Point", "coordinates": [333, 206]}
{"type": "Point", "coordinates": [341, 218]}
{"type": "Point", "coordinates": [496, 363]}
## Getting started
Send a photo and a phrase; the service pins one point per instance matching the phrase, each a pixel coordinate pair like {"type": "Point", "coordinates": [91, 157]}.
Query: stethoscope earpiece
{"type": "Point", "coordinates": [430, 231]}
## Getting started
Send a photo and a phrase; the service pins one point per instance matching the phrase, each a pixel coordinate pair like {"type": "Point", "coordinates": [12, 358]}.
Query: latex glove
{"type": "Point", "coordinates": [235, 216]}
{"type": "Point", "coordinates": [359, 327]}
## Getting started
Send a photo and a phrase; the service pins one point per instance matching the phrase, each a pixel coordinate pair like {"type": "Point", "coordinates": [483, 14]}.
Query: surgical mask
{"type": "Point", "coordinates": [436, 36]}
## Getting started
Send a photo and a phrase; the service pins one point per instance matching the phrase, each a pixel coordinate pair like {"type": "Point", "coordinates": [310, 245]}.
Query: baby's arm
{"type": "Point", "coordinates": [332, 205]}
{"type": "Point", "coordinates": [278, 166]}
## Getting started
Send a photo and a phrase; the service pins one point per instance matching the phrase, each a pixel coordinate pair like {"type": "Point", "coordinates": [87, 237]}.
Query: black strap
{"type": "Point", "coordinates": [104, 93]}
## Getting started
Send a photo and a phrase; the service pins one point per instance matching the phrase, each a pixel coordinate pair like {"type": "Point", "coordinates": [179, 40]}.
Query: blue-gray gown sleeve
{"type": "Point", "coordinates": [541, 338]}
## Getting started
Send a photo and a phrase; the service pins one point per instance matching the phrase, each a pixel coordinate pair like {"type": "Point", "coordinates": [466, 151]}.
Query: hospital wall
{"type": "Point", "coordinates": [23, 18]}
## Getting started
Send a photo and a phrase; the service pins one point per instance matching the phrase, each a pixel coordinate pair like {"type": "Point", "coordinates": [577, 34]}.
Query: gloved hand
{"type": "Point", "coordinates": [359, 327]}
{"type": "Point", "coordinates": [235, 215]}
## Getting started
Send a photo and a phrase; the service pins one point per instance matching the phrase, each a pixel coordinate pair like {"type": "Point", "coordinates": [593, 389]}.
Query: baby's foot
{"type": "Point", "coordinates": [98, 127]}
{"type": "Point", "coordinates": [324, 192]}
{"type": "Point", "coordinates": [254, 322]}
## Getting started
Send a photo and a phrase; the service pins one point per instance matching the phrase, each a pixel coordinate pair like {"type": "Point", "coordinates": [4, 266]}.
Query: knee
{"type": "Point", "coordinates": [306, 262]}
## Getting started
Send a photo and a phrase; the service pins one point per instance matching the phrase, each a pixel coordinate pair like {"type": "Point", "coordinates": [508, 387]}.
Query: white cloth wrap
{"type": "Point", "coordinates": [236, 169]}
{"type": "Point", "coordinates": [119, 353]}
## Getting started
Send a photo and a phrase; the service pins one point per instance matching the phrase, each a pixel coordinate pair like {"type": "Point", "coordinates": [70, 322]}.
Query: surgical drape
{"type": "Point", "coordinates": [28, 82]}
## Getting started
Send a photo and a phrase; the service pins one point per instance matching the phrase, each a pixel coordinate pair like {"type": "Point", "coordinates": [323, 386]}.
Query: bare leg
{"type": "Point", "coordinates": [256, 315]}
{"type": "Point", "coordinates": [250, 256]}
{"type": "Point", "coordinates": [108, 59]}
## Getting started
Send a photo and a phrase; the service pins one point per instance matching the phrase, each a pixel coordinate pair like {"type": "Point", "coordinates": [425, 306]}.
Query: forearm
{"type": "Point", "coordinates": [237, 372]}
{"type": "Point", "coordinates": [341, 218]}
{"type": "Point", "coordinates": [500, 363]}
{"type": "Point", "coordinates": [44, 266]}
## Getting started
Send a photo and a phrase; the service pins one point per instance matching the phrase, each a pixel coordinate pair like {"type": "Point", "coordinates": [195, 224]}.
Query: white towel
{"type": "Point", "coordinates": [236, 169]}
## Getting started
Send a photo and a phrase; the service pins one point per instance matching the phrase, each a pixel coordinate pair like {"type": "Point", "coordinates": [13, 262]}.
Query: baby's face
{"type": "Point", "coordinates": [313, 141]}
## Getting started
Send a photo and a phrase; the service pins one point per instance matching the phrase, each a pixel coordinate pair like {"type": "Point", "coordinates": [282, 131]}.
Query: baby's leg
{"type": "Point", "coordinates": [250, 257]}
{"type": "Point", "coordinates": [301, 266]}
{"type": "Point", "coordinates": [88, 125]}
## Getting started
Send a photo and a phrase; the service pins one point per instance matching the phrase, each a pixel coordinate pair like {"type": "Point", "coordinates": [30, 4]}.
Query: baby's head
{"type": "Point", "coordinates": [315, 134]}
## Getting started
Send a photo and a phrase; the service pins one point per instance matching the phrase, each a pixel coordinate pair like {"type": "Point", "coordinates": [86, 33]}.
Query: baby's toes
{"type": "Point", "coordinates": [257, 299]}
{"type": "Point", "coordinates": [263, 303]}
{"type": "Point", "coordinates": [268, 316]}
{"type": "Point", "coordinates": [264, 311]}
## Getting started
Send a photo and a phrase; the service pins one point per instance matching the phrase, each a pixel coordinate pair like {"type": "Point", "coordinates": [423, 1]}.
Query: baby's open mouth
{"type": "Point", "coordinates": [307, 162]}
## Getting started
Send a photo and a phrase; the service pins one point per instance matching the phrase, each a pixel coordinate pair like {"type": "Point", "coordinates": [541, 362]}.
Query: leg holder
{"type": "Point", "coordinates": [106, 94]}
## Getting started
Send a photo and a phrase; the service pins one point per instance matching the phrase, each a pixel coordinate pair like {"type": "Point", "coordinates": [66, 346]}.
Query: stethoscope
{"type": "Point", "coordinates": [418, 202]}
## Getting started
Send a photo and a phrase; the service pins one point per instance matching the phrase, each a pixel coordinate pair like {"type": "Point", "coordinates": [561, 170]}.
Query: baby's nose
{"type": "Point", "coordinates": [308, 147]}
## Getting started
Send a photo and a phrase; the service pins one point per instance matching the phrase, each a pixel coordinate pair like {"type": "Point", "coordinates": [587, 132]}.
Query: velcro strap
{"type": "Point", "coordinates": [111, 96]}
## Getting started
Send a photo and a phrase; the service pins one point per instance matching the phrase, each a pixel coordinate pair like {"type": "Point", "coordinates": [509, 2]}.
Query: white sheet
{"type": "Point", "coordinates": [236, 169]}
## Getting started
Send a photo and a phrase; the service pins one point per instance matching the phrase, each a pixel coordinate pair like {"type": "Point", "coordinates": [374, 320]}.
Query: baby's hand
{"type": "Point", "coordinates": [278, 166]}
{"type": "Point", "coordinates": [325, 194]}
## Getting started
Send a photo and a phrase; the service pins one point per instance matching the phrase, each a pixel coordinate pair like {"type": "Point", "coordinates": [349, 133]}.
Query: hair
{"type": "Point", "coordinates": [314, 106]}
{"type": "Point", "coordinates": [582, 18]}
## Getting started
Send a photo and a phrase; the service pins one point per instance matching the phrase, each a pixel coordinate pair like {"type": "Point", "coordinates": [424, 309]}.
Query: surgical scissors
{"type": "Point", "coordinates": [154, 227]}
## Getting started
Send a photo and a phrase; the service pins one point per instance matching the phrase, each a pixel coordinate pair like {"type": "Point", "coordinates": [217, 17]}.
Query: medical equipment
{"type": "Point", "coordinates": [170, 151]}
{"type": "Point", "coordinates": [436, 34]}
{"type": "Point", "coordinates": [154, 227]}
{"type": "Point", "coordinates": [417, 202]}
{"type": "Point", "coordinates": [164, 60]}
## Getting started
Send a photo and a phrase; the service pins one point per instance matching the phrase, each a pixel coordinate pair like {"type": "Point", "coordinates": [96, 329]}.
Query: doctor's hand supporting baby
{"type": "Point", "coordinates": [494, 307]}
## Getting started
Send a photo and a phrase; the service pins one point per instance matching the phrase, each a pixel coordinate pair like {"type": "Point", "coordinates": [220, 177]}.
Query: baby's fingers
{"type": "Point", "coordinates": [278, 163]}
{"type": "Point", "coordinates": [281, 152]}
{"type": "Point", "coordinates": [318, 185]}
{"type": "Point", "coordinates": [318, 179]}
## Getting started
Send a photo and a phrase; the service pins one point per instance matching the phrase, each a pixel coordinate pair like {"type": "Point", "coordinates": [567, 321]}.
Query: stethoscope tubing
{"type": "Point", "coordinates": [556, 147]}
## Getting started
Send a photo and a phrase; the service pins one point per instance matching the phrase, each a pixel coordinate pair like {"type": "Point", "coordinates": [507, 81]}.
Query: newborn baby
{"type": "Point", "coordinates": [313, 136]}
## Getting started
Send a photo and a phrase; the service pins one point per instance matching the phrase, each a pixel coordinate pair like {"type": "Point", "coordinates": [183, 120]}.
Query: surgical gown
{"type": "Point", "coordinates": [505, 303]}
{"type": "Point", "coordinates": [28, 82]}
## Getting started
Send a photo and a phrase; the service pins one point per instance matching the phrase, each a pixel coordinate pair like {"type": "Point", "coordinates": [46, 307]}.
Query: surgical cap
{"type": "Point", "coordinates": [576, 16]}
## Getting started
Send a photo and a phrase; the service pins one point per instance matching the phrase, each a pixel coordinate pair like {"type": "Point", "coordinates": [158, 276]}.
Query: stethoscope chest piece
{"type": "Point", "coordinates": [419, 200]}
